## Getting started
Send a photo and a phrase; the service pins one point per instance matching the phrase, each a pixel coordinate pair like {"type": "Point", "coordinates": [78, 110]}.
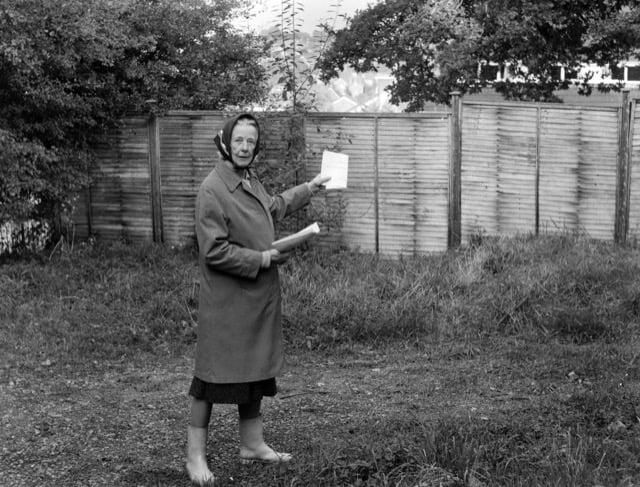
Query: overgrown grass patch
{"type": "Point", "coordinates": [508, 362]}
{"type": "Point", "coordinates": [97, 302]}
{"type": "Point", "coordinates": [572, 289]}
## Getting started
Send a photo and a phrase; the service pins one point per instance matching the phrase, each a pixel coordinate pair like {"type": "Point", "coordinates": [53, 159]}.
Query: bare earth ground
{"type": "Point", "coordinates": [122, 423]}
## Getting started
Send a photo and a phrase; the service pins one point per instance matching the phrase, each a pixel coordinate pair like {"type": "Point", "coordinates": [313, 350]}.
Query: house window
{"type": "Point", "coordinates": [617, 72]}
{"type": "Point", "coordinates": [489, 72]}
{"type": "Point", "coordinates": [570, 73]}
{"type": "Point", "coordinates": [633, 73]}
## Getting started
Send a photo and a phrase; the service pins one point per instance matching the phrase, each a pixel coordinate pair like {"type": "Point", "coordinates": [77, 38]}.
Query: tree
{"type": "Point", "coordinates": [71, 69]}
{"type": "Point", "coordinates": [433, 47]}
{"type": "Point", "coordinates": [534, 38]}
{"type": "Point", "coordinates": [294, 54]}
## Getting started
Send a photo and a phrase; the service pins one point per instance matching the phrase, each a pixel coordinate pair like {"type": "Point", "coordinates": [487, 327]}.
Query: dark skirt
{"type": "Point", "coordinates": [236, 393]}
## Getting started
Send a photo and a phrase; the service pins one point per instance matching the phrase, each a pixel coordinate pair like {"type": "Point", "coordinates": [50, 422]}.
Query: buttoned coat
{"type": "Point", "coordinates": [239, 313]}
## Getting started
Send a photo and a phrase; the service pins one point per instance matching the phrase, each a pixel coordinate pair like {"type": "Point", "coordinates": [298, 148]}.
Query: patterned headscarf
{"type": "Point", "coordinates": [223, 138]}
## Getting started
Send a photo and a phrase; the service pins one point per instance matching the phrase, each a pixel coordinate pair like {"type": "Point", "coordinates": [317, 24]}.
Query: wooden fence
{"type": "Point", "coordinates": [418, 182]}
{"type": "Point", "coordinates": [539, 168]}
{"type": "Point", "coordinates": [632, 177]}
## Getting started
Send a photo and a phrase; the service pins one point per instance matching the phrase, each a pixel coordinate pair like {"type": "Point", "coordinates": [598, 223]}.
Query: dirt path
{"type": "Point", "coordinates": [123, 422]}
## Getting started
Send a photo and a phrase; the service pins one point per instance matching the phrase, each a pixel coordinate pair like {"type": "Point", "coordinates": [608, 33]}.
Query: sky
{"type": "Point", "coordinates": [314, 11]}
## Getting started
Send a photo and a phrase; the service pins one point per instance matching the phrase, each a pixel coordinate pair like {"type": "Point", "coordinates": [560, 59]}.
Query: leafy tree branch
{"type": "Point", "coordinates": [433, 47]}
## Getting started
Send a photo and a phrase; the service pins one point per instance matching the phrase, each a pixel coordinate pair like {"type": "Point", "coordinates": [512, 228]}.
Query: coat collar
{"type": "Point", "coordinates": [230, 176]}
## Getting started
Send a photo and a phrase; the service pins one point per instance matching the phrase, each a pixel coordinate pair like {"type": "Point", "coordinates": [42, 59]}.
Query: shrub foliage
{"type": "Point", "coordinates": [69, 70]}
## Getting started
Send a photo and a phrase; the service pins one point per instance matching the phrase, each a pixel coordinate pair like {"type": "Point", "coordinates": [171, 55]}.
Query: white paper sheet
{"type": "Point", "coordinates": [336, 165]}
{"type": "Point", "coordinates": [287, 243]}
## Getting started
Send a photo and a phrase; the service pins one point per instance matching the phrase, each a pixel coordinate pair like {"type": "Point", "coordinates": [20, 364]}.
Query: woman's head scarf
{"type": "Point", "coordinates": [223, 138]}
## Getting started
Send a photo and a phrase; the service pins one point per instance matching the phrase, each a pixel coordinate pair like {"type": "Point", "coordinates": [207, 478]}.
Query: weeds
{"type": "Point", "coordinates": [540, 335]}
{"type": "Point", "coordinates": [98, 301]}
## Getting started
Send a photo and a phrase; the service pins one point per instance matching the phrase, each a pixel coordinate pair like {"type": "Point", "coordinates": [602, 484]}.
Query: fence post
{"type": "Point", "coordinates": [376, 183]}
{"type": "Point", "coordinates": [623, 186]}
{"type": "Point", "coordinates": [89, 200]}
{"type": "Point", "coordinates": [537, 181]}
{"type": "Point", "coordinates": [455, 173]}
{"type": "Point", "coordinates": [155, 180]}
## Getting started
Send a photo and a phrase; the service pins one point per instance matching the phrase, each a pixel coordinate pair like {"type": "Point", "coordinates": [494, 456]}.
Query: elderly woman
{"type": "Point", "coordinates": [239, 350]}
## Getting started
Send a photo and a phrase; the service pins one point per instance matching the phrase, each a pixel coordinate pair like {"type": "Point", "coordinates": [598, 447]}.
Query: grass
{"type": "Point", "coordinates": [514, 361]}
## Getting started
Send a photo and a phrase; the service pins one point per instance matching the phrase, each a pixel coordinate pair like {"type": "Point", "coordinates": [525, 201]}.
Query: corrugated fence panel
{"type": "Point", "coordinates": [354, 136]}
{"type": "Point", "coordinates": [517, 136]}
{"type": "Point", "coordinates": [413, 184]}
{"type": "Point", "coordinates": [498, 169]}
{"type": "Point", "coordinates": [401, 158]}
{"type": "Point", "coordinates": [598, 172]}
{"type": "Point", "coordinates": [578, 157]}
{"type": "Point", "coordinates": [121, 194]}
{"type": "Point", "coordinates": [187, 155]}
{"type": "Point", "coordinates": [399, 154]}
{"type": "Point", "coordinates": [479, 171]}
{"type": "Point", "coordinates": [634, 200]}
{"type": "Point", "coordinates": [560, 157]}
{"type": "Point", "coordinates": [433, 185]}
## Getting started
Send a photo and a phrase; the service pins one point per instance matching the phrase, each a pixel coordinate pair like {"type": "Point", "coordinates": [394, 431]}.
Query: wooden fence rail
{"type": "Point", "coordinates": [418, 182]}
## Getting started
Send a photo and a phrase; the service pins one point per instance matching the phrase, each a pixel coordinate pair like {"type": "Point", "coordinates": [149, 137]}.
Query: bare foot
{"type": "Point", "coordinates": [264, 454]}
{"type": "Point", "coordinates": [199, 472]}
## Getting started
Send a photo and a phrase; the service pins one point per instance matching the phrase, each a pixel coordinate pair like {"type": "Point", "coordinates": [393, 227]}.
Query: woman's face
{"type": "Point", "coordinates": [244, 138]}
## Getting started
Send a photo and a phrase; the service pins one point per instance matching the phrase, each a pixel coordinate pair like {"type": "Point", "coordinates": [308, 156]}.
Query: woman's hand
{"type": "Point", "coordinates": [317, 182]}
{"type": "Point", "coordinates": [274, 257]}
{"type": "Point", "coordinates": [278, 257]}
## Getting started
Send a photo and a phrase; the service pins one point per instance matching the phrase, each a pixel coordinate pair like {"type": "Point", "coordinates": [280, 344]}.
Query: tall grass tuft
{"type": "Point", "coordinates": [103, 299]}
{"type": "Point", "coordinates": [97, 301]}
{"type": "Point", "coordinates": [570, 288]}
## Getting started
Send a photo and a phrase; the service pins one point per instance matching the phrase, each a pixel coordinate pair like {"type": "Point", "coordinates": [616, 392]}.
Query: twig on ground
{"type": "Point", "coordinates": [302, 393]}
{"type": "Point", "coordinates": [54, 248]}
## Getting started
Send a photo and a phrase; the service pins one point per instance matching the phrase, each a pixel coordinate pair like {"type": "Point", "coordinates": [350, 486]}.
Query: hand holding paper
{"type": "Point", "coordinates": [317, 182]}
{"type": "Point", "coordinates": [278, 257]}
{"type": "Point", "coordinates": [335, 165]}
